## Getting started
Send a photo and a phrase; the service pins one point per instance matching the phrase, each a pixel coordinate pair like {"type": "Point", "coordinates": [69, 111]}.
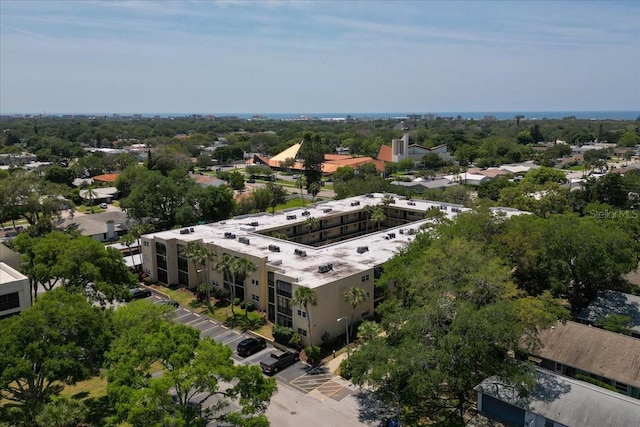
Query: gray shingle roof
{"type": "Point", "coordinates": [568, 401]}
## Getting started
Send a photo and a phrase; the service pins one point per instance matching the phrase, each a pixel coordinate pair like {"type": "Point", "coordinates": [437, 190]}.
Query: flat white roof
{"type": "Point", "coordinates": [9, 275]}
{"type": "Point", "coordinates": [344, 256]}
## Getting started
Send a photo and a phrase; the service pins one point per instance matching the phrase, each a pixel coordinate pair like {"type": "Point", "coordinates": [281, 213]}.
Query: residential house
{"type": "Point", "coordinates": [575, 349]}
{"type": "Point", "coordinates": [557, 401]}
{"type": "Point", "coordinates": [104, 226]}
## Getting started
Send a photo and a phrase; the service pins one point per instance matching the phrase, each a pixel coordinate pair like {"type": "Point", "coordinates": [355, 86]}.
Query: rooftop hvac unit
{"type": "Point", "coordinates": [362, 249]}
{"type": "Point", "coordinates": [355, 203]}
{"type": "Point", "coordinates": [253, 224]}
{"type": "Point", "coordinates": [184, 231]}
{"type": "Point", "coordinates": [274, 248]}
{"type": "Point", "coordinates": [325, 268]}
{"type": "Point", "coordinates": [228, 235]}
{"type": "Point", "coordinates": [243, 240]}
{"type": "Point", "coordinates": [291, 216]}
{"type": "Point", "coordinates": [392, 235]}
{"type": "Point", "coordinates": [306, 213]}
{"type": "Point", "coordinates": [300, 252]}
{"type": "Point", "coordinates": [369, 196]}
{"type": "Point", "coordinates": [327, 210]}
{"type": "Point", "coordinates": [411, 203]}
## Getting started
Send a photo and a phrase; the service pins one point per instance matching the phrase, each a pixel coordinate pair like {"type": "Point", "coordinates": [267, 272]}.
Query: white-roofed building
{"type": "Point", "coordinates": [343, 250]}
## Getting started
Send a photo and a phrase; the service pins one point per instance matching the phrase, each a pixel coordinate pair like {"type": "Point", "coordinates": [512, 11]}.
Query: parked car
{"type": "Point", "coordinates": [139, 293]}
{"type": "Point", "coordinates": [102, 206]}
{"type": "Point", "coordinates": [170, 302]}
{"type": "Point", "coordinates": [278, 360]}
{"type": "Point", "coordinates": [249, 346]}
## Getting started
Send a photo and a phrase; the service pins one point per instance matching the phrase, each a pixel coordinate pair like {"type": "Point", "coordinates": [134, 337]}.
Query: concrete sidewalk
{"type": "Point", "coordinates": [333, 365]}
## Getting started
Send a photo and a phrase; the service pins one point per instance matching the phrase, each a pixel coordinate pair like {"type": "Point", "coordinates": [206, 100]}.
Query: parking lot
{"type": "Point", "coordinates": [317, 382]}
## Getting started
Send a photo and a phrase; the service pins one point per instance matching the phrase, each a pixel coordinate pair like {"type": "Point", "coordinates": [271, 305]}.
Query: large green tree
{"type": "Point", "coordinates": [193, 370]}
{"type": "Point", "coordinates": [60, 340]}
{"type": "Point", "coordinates": [454, 319]}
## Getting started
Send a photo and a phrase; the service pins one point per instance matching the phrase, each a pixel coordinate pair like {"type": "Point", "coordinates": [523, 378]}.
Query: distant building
{"type": "Point", "coordinates": [401, 149]}
{"type": "Point", "coordinates": [103, 227]}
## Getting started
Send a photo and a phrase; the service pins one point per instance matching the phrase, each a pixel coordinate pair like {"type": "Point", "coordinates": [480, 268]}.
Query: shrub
{"type": "Point", "coordinates": [313, 354]}
{"type": "Point", "coordinates": [594, 381]}
{"type": "Point", "coordinates": [345, 369]}
{"type": "Point", "coordinates": [282, 334]}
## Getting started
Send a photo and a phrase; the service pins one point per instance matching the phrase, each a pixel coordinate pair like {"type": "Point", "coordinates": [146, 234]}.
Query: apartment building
{"type": "Point", "coordinates": [329, 247]}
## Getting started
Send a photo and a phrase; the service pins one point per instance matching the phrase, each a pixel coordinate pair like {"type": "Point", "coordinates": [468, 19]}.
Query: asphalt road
{"type": "Point", "coordinates": [305, 396]}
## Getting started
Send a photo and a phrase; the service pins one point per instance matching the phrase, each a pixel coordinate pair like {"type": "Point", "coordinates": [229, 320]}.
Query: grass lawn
{"type": "Point", "coordinates": [95, 387]}
{"type": "Point", "coordinates": [183, 296]}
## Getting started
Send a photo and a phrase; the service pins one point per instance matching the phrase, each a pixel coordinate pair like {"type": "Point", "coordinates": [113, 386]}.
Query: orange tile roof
{"type": "Point", "coordinates": [385, 153]}
{"type": "Point", "coordinates": [107, 177]}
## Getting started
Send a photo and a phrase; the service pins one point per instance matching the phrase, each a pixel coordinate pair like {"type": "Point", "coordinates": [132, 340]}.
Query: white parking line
{"type": "Point", "coordinates": [208, 329]}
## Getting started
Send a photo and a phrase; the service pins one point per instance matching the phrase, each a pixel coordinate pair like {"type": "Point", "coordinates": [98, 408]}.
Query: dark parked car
{"type": "Point", "coordinates": [278, 360]}
{"type": "Point", "coordinates": [170, 302]}
{"type": "Point", "coordinates": [139, 293]}
{"type": "Point", "coordinates": [249, 346]}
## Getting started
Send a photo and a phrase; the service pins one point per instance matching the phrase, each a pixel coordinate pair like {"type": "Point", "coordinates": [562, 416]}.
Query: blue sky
{"type": "Point", "coordinates": [322, 56]}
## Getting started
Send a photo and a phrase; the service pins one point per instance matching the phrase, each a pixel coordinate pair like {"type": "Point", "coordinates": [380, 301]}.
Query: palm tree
{"type": "Point", "coordinates": [368, 210]}
{"type": "Point", "coordinates": [368, 330]}
{"type": "Point", "coordinates": [91, 192]}
{"type": "Point", "coordinates": [244, 267]}
{"type": "Point", "coordinates": [301, 182]}
{"type": "Point", "coordinates": [314, 189]}
{"type": "Point", "coordinates": [386, 201]}
{"type": "Point", "coordinates": [138, 230]}
{"type": "Point", "coordinates": [305, 297]}
{"type": "Point", "coordinates": [128, 240]}
{"type": "Point", "coordinates": [232, 267]}
{"type": "Point", "coordinates": [354, 296]}
{"type": "Point", "coordinates": [199, 255]}
{"type": "Point", "coordinates": [311, 223]}
{"type": "Point", "coordinates": [378, 216]}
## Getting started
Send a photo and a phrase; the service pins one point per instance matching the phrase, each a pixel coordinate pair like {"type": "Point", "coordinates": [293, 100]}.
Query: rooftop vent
{"type": "Point", "coordinates": [411, 203]}
{"type": "Point", "coordinates": [254, 223]}
{"type": "Point", "coordinates": [369, 196]}
{"type": "Point", "coordinates": [274, 248]}
{"type": "Point", "coordinates": [291, 216]}
{"type": "Point", "coordinates": [362, 249]}
{"type": "Point", "coordinates": [300, 252]}
{"type": "Point", "coordinates": [325, 268]}
{"type": "Point", "coordinates": [355, 203]}
{"type": "Point", "coordinates": [228, 235]}
{"type": "Point", "coordinates": [306, 213]}
{"type": "Point", "coordinates": [327, 210]}
{"type": "Point", "coordinates": [243, 240]}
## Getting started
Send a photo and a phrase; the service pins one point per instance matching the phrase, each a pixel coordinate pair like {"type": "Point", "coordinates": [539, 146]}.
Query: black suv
{"type": "Point", "coordinates": [249, 346]}
{"type": "Point", "coordinates": [139, 293]}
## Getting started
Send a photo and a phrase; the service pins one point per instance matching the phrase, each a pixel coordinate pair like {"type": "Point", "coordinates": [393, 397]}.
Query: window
{"type": "Point", "coordinates": [559, 367]}
{"type": "Point", "coordinates": [365, 278]}
{"type": "Point", "coordinates": [145, 243]}
{"type": "Point", "coordinates": [302, 313]}
{"type": "Point", "coordinates": [9, 301]}
{"type": "Point", "coordinates": [548, 422]}
{"type": "Point", "coordinates": [255, 282]}
{"type": "Point", "coordinates": [622, 388]}
{"type": "Point", "coordinates": [161, 248]}
{"type": "Point", "coordinates": [255, 298]}
{"type": "Point", "coordinates": [302, 332]}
